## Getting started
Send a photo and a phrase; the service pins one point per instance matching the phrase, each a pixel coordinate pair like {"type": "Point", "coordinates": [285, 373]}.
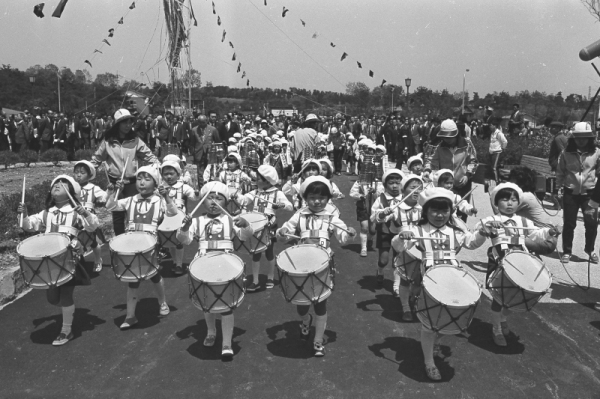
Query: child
{"type": "Point", "coordinates": [407, 271]}
{"type": "Point", "coordinates": [445, 178]}
{"type": "Point", "coordinates": [498, 144]}
{"type": "Point", "coordinates": [381, 159]}
{"type": "Point", "coordinates": [310, 167]}
{"type": "Point", "coordinates": [212, 170]}
{"type": "Point", "coordinates": [315, 225]}
{"type": "Point", "coordinates": [364, 196]}
{"type": "Point", "coordinates": [179, 192]}
{"type": "Point", "coordinates": [233, 177]}
{"type": "Point", "coordinates": [386, 218]}
{"type": "Point", "coordinates": [279, 161]}
{"type": "Point", "coordinates": [505, 199]}
{"type": "Point", "coordinates": [91, 196]}
{"type": "Point", "coordinates": [215, 232]}
{"type": "Point", "coordinates": [327, 172]}
{"type": "Point", "coordinates": [436, 221]}
{"type": "Point", "coordinates": [144, 212]}
{"type": "Point", "coordinates": [415, 164]}
{"type": "Point", "coordinates": [267, 198]}
{"type": "Point", "coordinates": [64, 217]}
{"type": "Point", "coordinates": [578, 167]}
{"type": "Point", "coordinates": [351, 149]}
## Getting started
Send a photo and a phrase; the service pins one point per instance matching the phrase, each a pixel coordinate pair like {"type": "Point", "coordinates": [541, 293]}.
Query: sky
{"type": "Point", "coordinates": [509, 45]}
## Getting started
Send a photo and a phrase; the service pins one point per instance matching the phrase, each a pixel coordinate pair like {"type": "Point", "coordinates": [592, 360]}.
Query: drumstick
{"type": "Point", "coordinates": [122, 177]}
{"type": "Point", "coordinates": [200, 203]}
{"type": "Point", "coordinates": [521, 228]}
{"type": "Point", "coordinates": [262, 199]}
{"type": "Point", "coordinates": [106, 171]}
{"type": "Point", "coordinates": [71, 198]}
{"type": "Point", "coordinates": [293, 236]}
{"type": "Point", "coordinates": [428, 238]}
{"type": "Point", "coordinates": [404, 199]}
{"type": "Point", "coordinates": [223, 209]}
{"type": "Point", "coordinates": [290, 259]}
{"type": "Point", "coordinates": [22, 201]}
{"type": "Point", "coordinates": [466, 195]}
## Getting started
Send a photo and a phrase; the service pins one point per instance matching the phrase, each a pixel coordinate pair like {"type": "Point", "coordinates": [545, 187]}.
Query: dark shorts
{"type": "Point", "coordinates": [83, 271]}
{"type": "Point", "coordinates": [384, 240]}
{"type": "Point", "coordinates": [362, 213]}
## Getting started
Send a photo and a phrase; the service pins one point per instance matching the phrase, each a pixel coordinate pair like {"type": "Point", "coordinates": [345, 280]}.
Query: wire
{"type": "Point", "coordinates": [571, 278]}
{"type": "Point", "coordinates": [322, 105]}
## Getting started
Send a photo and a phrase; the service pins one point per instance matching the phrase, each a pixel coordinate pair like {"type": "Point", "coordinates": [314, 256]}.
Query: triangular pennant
{"type": "Point", "coordinates": [231, 44]}
{"type": "Point", "coordinates": [315, 35]}
{"type": "Point", "coordinates": [233, 58]}
{"type": "Point", "coordinates": [239, 67]}
{"type": "Point", "coordinates": [344, 56]}
{"type": "Point", "coordinates": [89, 63]}
{"type": "Point", "coordinates": [121, 21]}
{"type": "Point", "coordinates": [111, 32]}
{"type": "Point", "coordinates": [218, 20]}
{"type": "Point", "coordinates": [371, 74]}
{"type": "Point", "coordinates": [331, 44]}
{"type": "Point", "coordinates": [359, 64]}
{"type": "Point", "coordinates": [383, 82]}
{"type": "Point", "coordinates": [244, 75]}
{"type": "Point", "coordinates": [59, 8]}
{"type": "Point", "coordinates": [303, 23]}
{"type": "Point", "coordinates": [132, 6]}
{"type": "Point", "coordinates": [223, 38]}
{"type": "Point", "coordinates": [106, 41]}
{"type": "Point", "coordinates": [248, 81]}
{"type": "Point", "coordinates": [285, 11]}
{"type": "Point", "coordinates": [98, 51]}
{"type": "Point", "coordinates": [37, 10]}
{"type": "Point", "coordinates": [214, 11]}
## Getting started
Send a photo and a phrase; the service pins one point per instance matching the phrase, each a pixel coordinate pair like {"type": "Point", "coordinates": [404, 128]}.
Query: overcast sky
{"type": "Point", "coordinates": [507, 45]}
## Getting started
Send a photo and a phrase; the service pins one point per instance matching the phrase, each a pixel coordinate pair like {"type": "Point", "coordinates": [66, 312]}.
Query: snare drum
{"type": "Point", "coordinates": [305, 274]}
{"type": "Point", "coordinates": [409, 264]}
{"type": "Point", "coordinates": [260, 239]}
{"type": "Point", "coordinates": [216, 282]}
{"type": "Point", "coordinates": [46, 260]}
{"type": "Point", "coordinates": [448, 299]}
{"type": "Point", "coordinates": [520, 281]}
{"type": "Point", "coordinates": [133, 256]}
{"type": "Point", "coordinates": [167, 230]}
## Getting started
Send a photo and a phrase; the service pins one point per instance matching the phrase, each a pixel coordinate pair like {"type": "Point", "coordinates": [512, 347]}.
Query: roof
{"type": "Point", "coordinates": [8, 111]}
{"type": "Point", "coordinates": [134, 94]}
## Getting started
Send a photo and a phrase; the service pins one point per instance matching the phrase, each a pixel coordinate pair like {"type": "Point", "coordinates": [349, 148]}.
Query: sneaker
{"type": "Point", "coordinates": [499, 339]}
{"type": "Point", "coordinates": [210, 340]}
{"type": "Point", "coordinates": [380, 278]}
{"type": "Point", "coordinates": [164, 309]}
{"type": "Point", "coordinates": [252, 287]}
{"type": "Point", "coordinates": [178, 270]}
{"type": "Point", "coordinates": [593, 257]}
{"type": "Point", "coordinates": [62, 339]}
{"type": "Point", "coordinates": [363, 252]}
{"type": "Point", "coordinates": [305, 329]}
{"type": "Point", "coordinates": [505, 329]}
{"type": "Point", "coordinates": [565, 258]}
{"type": "Point", "coordinates": [437, 349]}
{"type": "Point", "coordinates": [407, 316]}
{"type": "Point", "coordinates": [128, 323]}
{"type": "Point", "coordinates": [98, 266]}
{"type": "Point", "coordinates": [226, 353]}
{"type": "Point", "coordinates": [270, 284]}
{"type": "Point", "coordinates": [319, 349]}
{"type": "Point", "coordinates": [433, 373]}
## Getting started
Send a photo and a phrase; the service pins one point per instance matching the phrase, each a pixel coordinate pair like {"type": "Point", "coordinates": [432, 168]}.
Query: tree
{"type": "Point", "coordinates": [107, 80]}
{"type": "Point", "coordinates": [83, 76]}
{"type": "Point", "coordinates": [193, 78]}
{"type": "Point", "coordinates": [359, 90]}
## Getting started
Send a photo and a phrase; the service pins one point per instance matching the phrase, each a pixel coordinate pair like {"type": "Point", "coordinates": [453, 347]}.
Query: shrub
{"type": "Point", "coordinates": [85, 155]}
{"type": "Point", "coordinates": [8, 158]}
{"type": "Point", "coordinates": [35, 198]}
{"type": "Point", "coordinates": [54, 155]}
{"type": "Point", "coordinates": [28, 157]}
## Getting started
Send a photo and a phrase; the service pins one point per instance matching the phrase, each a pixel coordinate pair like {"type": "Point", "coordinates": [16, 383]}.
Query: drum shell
{"type": "Point", "coordinates": [442, 316]}
{"type": "Point", "coordinates": [130, 267]}
{"type": "Point", "coordinates": [167, 238]}
{"type": "Point", "coordinates": [232, 291]}
{"type": "Point", "coordinates": [258, 242]}
{"type": "Point", "coordinates": [408, 264]}
{"type": "Point", "coordinates": [48, 272]}
{"type": "Point", "coordinates": [318, 284]}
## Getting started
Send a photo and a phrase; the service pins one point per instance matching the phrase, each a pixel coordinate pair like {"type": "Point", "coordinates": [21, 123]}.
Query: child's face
{"type": "Point", "coordinates": [262, 183]}
{"type": "Point", "coordinates": [508, 206]}
{"type": "Point", "coordinates": [450, 141]}
{"type": "Point", "coordinates": [392, 185]}
{"type": "Point", "coordinates": [448, 184]}
{"type": "Point", "coordinates": [145, 184]}
{"type": "Point", "coordinates": [581, 143]}
{"type": "Point", "coordinates": [324, 169]}
{"type": "Point", "coordinates": [59, 191]}
{"type": "Point", "coordinates": [81, 175]}
{"type": "Point", "coordinates": [414, 197]}
{"type": "Point", "coordinates": [212, 200]}
{"type": "Point", "coordinates": [438, 217]}
{"type": "Point", "coordinates": [232, 165]}
{"type": "Point", "coordinates": [370, 151]}
{"type": "Point", "coordinates": [170, 175]}
{"type": "Point", "coordinates": [416, 168]}
{"type": "Point", "coordinates": [276, 149]}
{"type": "Point", "coordinates": [311, 170]}
{"type": "Point", "coordinates": [316, 202]}
{"type": "Point", "coordinates": [379, 153]}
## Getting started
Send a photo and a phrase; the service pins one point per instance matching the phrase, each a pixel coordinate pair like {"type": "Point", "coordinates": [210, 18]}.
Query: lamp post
{"type": "Point", "coordinates": [407, 82]}
{"type": "Point", "coordinates": [32, 81]}
{"type": "Point", "coordinates": [392, 98]}
{"type": "Point", "coordinates": [463, 92]}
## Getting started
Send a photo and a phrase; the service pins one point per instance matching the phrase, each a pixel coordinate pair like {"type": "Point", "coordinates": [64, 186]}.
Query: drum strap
{"type": "Point", "coordinates": [392, 225]}
{"type": "Point", "coordinates": [216, 244]}
{"type": "Point", "coordinates": [141, 227]}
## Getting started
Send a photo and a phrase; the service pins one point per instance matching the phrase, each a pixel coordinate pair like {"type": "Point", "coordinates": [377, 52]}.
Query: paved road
{"type": "Point", "coordinates": [553, 352]}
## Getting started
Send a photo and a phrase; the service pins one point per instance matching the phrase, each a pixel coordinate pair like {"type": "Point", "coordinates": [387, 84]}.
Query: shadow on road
{"type": "Point", "coordinates": [82, 321]}
{"type": "Point", "coordinates": [480, 335]}
{"type": "Point", "coordinates": [369, 283]}
{"type": "Point", "coordinates": [286, 342]}
{"type": "Point", "coordinates": [147, 313]}
{"type": "Point", "coordinates": [198, 333]}
{"type": "Point", "coordinates": [390, 307]}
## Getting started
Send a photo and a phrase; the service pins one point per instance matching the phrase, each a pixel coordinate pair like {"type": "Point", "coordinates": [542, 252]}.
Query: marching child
{"type": "Point", "coordinates": [91, 196]}
{"type": "Point", "coordinates": [364, 195]}
{"type": "Point", "coordinates": [315, 226]}
{"type": "Point", "coordinates": [279, 161]}
{"type": "Point", "coordinates": [505, 199]}
{"type": "Point", "coordinates": [415, 165]}
{"type": "Point", "coordinates": [445, 178]}
{"type": "Point", "coordinates": [310, 167]}
{"type": "Point", "coordinates": [144, 212]}
{"type": "Point", "coordinates": [62, 216]}
{"type": "Point", "coordinates": [215, 232]}
{"type": "Point", "coordinates": [266, 199]}
{"type": "Point", "coordinates": [436, 222]}
{"type": "Point", "coordinates": [327, 172]}
{"type": "Point", "coordinates": [350, 153]}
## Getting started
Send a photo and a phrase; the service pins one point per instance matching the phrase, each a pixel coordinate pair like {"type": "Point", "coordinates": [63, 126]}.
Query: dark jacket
{"type": "Point", "coordinates": [200, 142]}
{"type": "Point", "coordinates": [559, 143]}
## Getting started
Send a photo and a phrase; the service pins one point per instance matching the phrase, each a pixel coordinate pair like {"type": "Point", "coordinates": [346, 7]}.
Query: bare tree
{"type": "Point", "coordinates": [593, 6]}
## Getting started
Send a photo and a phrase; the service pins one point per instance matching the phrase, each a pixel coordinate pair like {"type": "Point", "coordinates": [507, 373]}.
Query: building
{"type": "Point", "coordinates": [137, 102]}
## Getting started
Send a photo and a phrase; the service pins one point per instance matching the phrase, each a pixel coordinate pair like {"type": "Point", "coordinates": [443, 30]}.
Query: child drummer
{"type": "Point", "coordinates": [505, 200]}
{"type": "Point", "coordinates": [267, 198]}
{"type": "Point", "coordinates": [215, 231]}
{"type": "Point", "coordinates": [445, 178]}
{"type": "Point", "coordinates": [144, 212]}
{"type": "Point", "coordinates": [91, 196]}
{"type": "Point", "coordinates": [315, 226]}
{"type": "Point", "coordinates": [362, 191]}
{"type": "Point", "coordinates": [235, 179]}
{"type": "Point", "coordinates": [436, 222]}
{"type": "Point", "coordinates": [70, 218]}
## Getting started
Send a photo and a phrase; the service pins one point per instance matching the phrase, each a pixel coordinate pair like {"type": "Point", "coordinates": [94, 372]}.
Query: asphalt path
{"type": "Point", "coordinates": [553, 350]}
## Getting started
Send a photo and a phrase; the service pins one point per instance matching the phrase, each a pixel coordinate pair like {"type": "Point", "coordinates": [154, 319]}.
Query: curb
{"type": "Point", "coordinates": [11, 284]}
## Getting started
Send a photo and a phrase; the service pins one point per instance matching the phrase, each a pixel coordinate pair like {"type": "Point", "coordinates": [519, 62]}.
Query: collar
{"type": "Point", "coordinates": [306, 211]}
{"type": "Point", "coordinates": [391, 197]}
{"type": "Point", "coordinates": [64, 209]}
{"type": "Point", "coordinates": [404, 206]}
{"type": "Point", "coordinates": [268, 190]}
{"type": "Point", "coordinates": [218, 217]}
{"type": "Point", "coordinates": [151, 199]}
{"type": "Point", "coordinates": [445, 229]}
{"type": "Point", "coordinates": [88, 186]}
{"type": "Point", "coordinates": [177, 184]}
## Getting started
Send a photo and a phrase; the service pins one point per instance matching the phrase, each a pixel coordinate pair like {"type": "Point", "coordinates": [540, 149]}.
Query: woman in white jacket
{"type": "Point", "coordinates": [498, 144]}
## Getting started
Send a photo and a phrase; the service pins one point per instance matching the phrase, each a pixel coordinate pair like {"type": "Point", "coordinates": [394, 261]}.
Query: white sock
{"type": "Point", "coordinates": [427, 340]}
{"type": "Point", "coordinates": [132, 298]}
{"type": "Point", "coordinates": [320, 324]}
{"type": "Point", "coordinates": [306, 319]}
{"type": "Point", "coordinates": [159, 288]}
{"type": "Point", "coordinates": [178, 257]}
{"type": "Point", "coordinates": [97, 255]}
{"type": "Point", "coordinates": [363, 241]}
{"type": "Point", "coordinates": [255, 270]}
{"type": "Point", "coordinates": [68, 312]}
{"type": "Point", "coordinates": [496, 319]}
{"type": "Point", "coordinates": [396, 279]}
{"type": "Point", "coordinates": [404, 297]}
{"type": "Point", "coordinates": [271, 270]}
{"type": "Point", "coordinates": [211, 327]}
{"type": "Point", "coordinates": [227, 327]}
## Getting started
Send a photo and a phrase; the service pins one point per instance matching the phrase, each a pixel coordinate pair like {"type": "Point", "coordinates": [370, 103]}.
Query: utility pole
{"type": "Point", "coordinates": [463, 92]}
{"type": "Point", "coordinates": [58, 81]}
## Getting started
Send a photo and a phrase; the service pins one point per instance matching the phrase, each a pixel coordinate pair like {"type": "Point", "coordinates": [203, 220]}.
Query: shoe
{"type": "Point", "coordinates": [407, 316]}
{"type": "Point", "coordinates": [270, 284]}
{"type": "Point", "coordinates": [305, 329]}
{"type": "Point", "coordinates": [210, 340]}
{"type": "Point", "coordinates": [252, 287]}
{"type": "Point", "coordinates": [505, 329]}
{"type": "Point", "coordinates": [98, 266]}
{"type": "Point", "coordinates": [379, 279]}
{"type": "Point", "coordinates": [433, 373]}
{"type": "Point", "coordinates": [499, 339]}
{"type": "Point", "coordinates": [128, 323]}
{"type": "Point", "coordinates": [62, 339]}
{"type": "Point", "coordinates": [178, 270]}
{"type": "Point", "coordinates": [437, 349]}
{"type": "Point", "coordinates": [565, 258]}
{"type": "Point", "coordinates": [363, 252]}
{"type": "Point", "coordinates": [593, 257]}
{"type": "Point", "coordinates": [319, 349]}
{"type": "Point", "coordinates": [226, 353]}
{"type": "Point", "coordinates": [164, 309]}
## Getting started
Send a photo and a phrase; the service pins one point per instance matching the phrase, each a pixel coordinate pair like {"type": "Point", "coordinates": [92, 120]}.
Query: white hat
{"type": "Point", "coordinates": [362, 142]}
{"type": "Point", "coordinates": [371, 145]}
{"type": "Point", "coordinates": [392, 172]}
{"type": "Point", "coordinates": [232, 140]}
{"type": "Point", "coordinates": [435, 192]}
{"type": "Point", "coordinates": [435, 177]}
{"type": "Point", "coordinates": [311, 118]}
{"type": "Point", "coordinates": [232, 149]}
{"type": "Point", "coordinates": [582, 130]}
{"type": "Point", "coordinates": [76, 186]}
{"type": "Point", "coordinates": [448, 128]}
{"type": "Point", "coordinates": [171, 157]}
{"type": "Point", "coordinates": [280, 132]}
{"type": "Point", "coordinates": [314, 179]}
{"type": "Point", "coordinates": [362, 136]}
{"type": "Point", "coordinates": [151, 170]}
{"type": "Point", "coordinates": [333, 130]}
{"type": "Point", "coordinates": [328, 162]}
{"type": "Point", "coordinates": [283, 141]}
{"type": "Point", "coordinates": [269, 173]}
{"type": "Point", "coordinates": [90, 167]}
{"type": "Point", "coordinates": [409, 178]}
{"type": "Point", "coordinates": [381, 147]}
{"type": "Point", "coordinates": [414, 158]}
{"type": "Point", "coordinates": [291, 135]}
{"type": "Point", "coordinates": [173, 164]}
{"type": "Point", "coordinates": [121, 115]}
{"type": "Point", "coordinates": [237, 157]}
{"type": "Point", "coordinates": [311, 161]}
{"type": "Point", "coordinates": [183, 160]}
{"type": "Point", "coordinates": [238, 135]}
{"type": "Point", "coordinates": [215, 187]}
{"type": "Point", "coordinates": [501, 186]}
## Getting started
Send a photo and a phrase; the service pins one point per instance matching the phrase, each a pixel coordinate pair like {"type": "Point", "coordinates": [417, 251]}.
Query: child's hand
{"type": "Point", "coordinates": [351, 232]}
{"type": "Point", "coordinates": [110, 188]}
{"type": "Point", "coordinates": [22, 209]}
{"type": "Point", "coordinates": [119, 184]}
{"type": "Point", "coordinates": [81, 210]}
{"type": "Point", "coordinates": [240, 222]}
{"type": "Point", "coordinates": [473, 212]}
{"type": "Point", "coordinates": [406, 235]}
{"type": "Point", "coordinates": [186, 222]}
{"type": "Point", "coordinates": [387, 211]}
{"type": "Point", "coordinates": [555, 231]}
{"type": "Point", "coordinates": [279, 205]}
{"type": "Point", "coordinates": [495, 224]}
{"type": "Point", "coordinates": [196, 193]}
{"type": "Point", "coordinates": [282, 232]}
{"type": "Point", "coordinates": [162, 191]}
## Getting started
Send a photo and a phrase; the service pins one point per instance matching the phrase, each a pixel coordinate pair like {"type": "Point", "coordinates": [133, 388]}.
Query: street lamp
{"type": "Point", "coordinates": [32, 81]}
{"type": "Point", "coordinates": [392, 98]}
{"type": "Point", "coordinates": [407, 83]}
{"type": "Point", "coordinates": [463, 92]}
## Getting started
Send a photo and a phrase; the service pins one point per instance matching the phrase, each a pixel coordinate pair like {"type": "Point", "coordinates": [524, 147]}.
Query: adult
{"type": "Point", "coordinates": [203, 135]}
{"type": "Point", "coordinates": [98, 131]}
{"type": "Point", "coordinates": [46, 131]}
{"type": "Point", "coordinates": [121, 149]}
{"type": "Point", "coordinates": [515, 123]}
{"type": "Point", "coordinates": [487, 126]}
{"type": "Point", "coordinates": [559, 143]}
{"type": "Point", "coordinates": [21, 135]}
{"type": "Point", "coordinates": [85, 131]}
{"type": "Point", "coordinates": [457, 154]}
{"type": "Point", "coordinates": [336, 140]}
{"type": "Point", "coordinates": [164, 128]}
{"type": "Point", "coordinates": [304, 141]}
{"type": "Point", "coordinates": [60, 132]}
{"type": "Point", "coordinates": [230, 127]}
{"type": "Point", "coordinates": [4, 144]}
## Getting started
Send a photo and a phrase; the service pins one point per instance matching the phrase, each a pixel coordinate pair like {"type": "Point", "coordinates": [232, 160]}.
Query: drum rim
{"type": "Point", "coordinates": [423, 287]}
{"type": "Point", "coordinates": [296, 273]}
{"type": "Point", "coordinates": [59, 252]}
{"type": "Point", "coordinates": [179, 212]}
{"type": "Point", "coordinates": [130, 233]}
{"type": "Point", "coordinates": [507, 275]}
{"type": "Point", "coordinates": [213, 254]}
{"type": "Point", "coordinates": [255, 213]}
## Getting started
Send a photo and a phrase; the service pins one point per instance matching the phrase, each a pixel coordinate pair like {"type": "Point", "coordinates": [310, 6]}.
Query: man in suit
{"type": "Point", "coordinates": [201, 138]}
{"type": "Point", "coordinates": [85, 131]}
{"type": "Point", "coordinates": [98, 132]}
{"type": "Point", "coordinates": [515, 122]}
{"type": "Point", "coordinates": [46, 130]}
{"type": "Point", "coordinates": [60, 132]}
{"type": "Point", "coordinates": [228, 128]}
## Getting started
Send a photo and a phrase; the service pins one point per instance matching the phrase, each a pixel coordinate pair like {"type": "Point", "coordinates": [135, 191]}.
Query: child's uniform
{"type": "Point", "coordinates": [90, 197]}
{"type": "Point", "coordinates": [389, 226]}
{"type": "Point", "coordinates": [363, 208]}
{"type": "Point", "coordinates": [212, 171]}
{"type": "Point", "coordinates": [280, 163]}
{"type": "Point", "coordinates": [407, 269]}
{"type": "Point", "coordinates": [262, 201]}
{"type": "Point", "coordinates": [459, 205]}
{"type": "Point", "coordinates": [186, 177]}
{"type": "Point", "coordinates": [234, 180]}
{"type": "Point", "coordinates": [144, 214]}
{"type": "Point", "coordinates": [293, 190]}
{"type": "Point", "coordinates": [317, 227]}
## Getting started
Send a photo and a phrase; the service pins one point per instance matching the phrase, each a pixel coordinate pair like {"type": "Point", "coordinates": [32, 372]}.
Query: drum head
{"type": "Point", "coordinates": [451, 286]}
{"type": "Point", "coordinates": [216, 267]}
{"type": "Point", "coordinates": [526, 271]}
{"type": "Point", "coordinates": [132, 242]}
{"type": "Point", "coordinates": [257, 220]}
{"type": "Point", "coordinates": [43, 245]}
{"type": "Point", "coordinates": [172, 223]}
{"type": "Point", "coordinates": [303, 259]}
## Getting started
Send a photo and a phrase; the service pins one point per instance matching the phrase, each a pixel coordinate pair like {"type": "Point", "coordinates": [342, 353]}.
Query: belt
{"type": "Point", "coordinates": [141, 227]}
{"type": "Point", "coordinates": [216, 244]}
{"type": "Point", "coordinates": [508, 240]}
{"type": "Point", "coordinates": [316, 234]}
{"type": "Point", "coordinates": [439, 255]}
{"type": "Point", "coordinates": [68, 230]}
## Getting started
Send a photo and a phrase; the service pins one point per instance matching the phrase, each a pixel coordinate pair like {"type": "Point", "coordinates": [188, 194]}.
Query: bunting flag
{"type": "Point", "coordinates": [383, 82]}
{"type": "Point", "coordinates": [314, 35]}
{"type": "Point", "coordinates": [111, 32]}
{"type": "Point", "coordinates": [98, 51]}
{"type": "Point", "coordinates": [331, 44]}
{"type": "Point", "coordinates": [132, 6]}
{"type": "Point", "coordinates": [37, 10]}
{"type": "Point", "coordinates": [285, 11]}
{"type": "Point", "coordinates": [89, 63]}
{"type": "Point", "coordinates": [303, 23]}
{"type": "Point", "coordinates": [344, 56]}
{"type": "Point", "coordinates": [233, 58]}
{"type": "Point", "coordinates": [121, 21]}
{"type": "Point", "coordinates": [218, 20]}
{"type": "Point", "coordinates": [231, 44]}
{"type": "Point", "coordinates": [371, 74]}
{"type": "Point", "coordinates": [59, 8]}
{"type": "Point", "coordinates": [244, 75]}
{"type": "Point", "coordinates": [265, 2]}
{"type": "Point", "coordinates": [359, 64]}
{"type": "Point", "coordinates": [239, 67]}
{"type": "Point", "coordinates": [248, 81]}
{"type": "Point", "coordinates": [105, 41]}
{"type": "Point", "coordinates": [214, 11]}
{"type": "Point", "coordinates": [223, 38]}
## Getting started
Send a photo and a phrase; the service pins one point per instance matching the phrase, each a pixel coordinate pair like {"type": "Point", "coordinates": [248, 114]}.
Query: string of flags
{"type": "Point", "coordinates": [38, 9]}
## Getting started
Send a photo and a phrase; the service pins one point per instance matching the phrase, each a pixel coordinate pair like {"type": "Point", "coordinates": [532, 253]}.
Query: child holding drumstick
{"type": "Point", "coordinates": [64, 214]}
{"type": "Point", "coordinates": [215, 231]}
{"type": "Point", "coordinates": [315, 226]}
